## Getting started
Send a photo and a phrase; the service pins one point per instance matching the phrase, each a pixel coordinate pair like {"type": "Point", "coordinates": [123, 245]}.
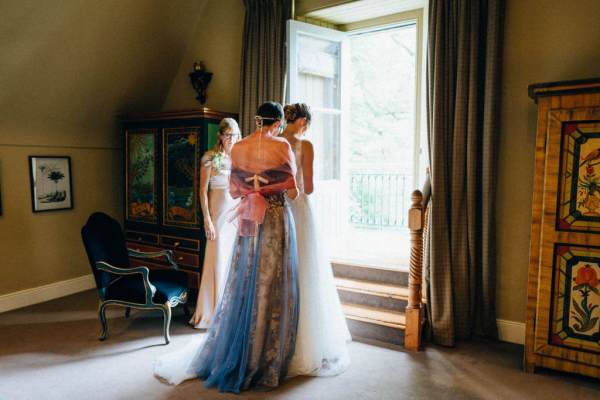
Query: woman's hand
{"type": "Point", "coordinates": [209, 230]}
{"type": "Point", "coordinates": [292, 193]}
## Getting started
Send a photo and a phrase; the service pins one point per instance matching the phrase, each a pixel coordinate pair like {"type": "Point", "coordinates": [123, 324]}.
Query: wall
{"type": "Point", "coordinates": [67, 70]}
{"type": "Point", "coordinates": [545, 40]}
{"type": "Point", "coordinates": [306, 6]}
{"type": "Point", "coordinates": [216, 40]}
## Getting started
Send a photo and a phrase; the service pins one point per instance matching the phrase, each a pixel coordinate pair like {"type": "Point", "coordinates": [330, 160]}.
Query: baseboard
{"type": "Point", "coordinates": [511, 331]}
{"type": "Point", "coordinates": [40, 294]}
{"type": "Point", "coordinates": [508, 331]}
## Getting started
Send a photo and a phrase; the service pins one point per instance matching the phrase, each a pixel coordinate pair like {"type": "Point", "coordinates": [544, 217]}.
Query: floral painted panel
{"type": "Point", "coordinates": [575, 321]}
{"type": "Point", "coordinates": [579, 183]}
{"type": "Point", "coordinates": [181, 177]}
{"type": "Point", "coordinates": [141, 175]}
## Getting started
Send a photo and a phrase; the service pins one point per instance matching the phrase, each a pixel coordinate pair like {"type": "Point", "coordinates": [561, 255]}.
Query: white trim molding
{"type": "Point", "coordinates": [40, 294]}
{"type": "Point", "coordinates": [511, 331]}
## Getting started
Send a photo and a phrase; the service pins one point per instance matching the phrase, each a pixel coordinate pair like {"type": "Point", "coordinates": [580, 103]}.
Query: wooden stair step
{"type": "Point", "coordinates": [374, 316]}
{"type": "Point", "coordinates": [370, 273]}
{"type": "Point", "coordinates": [372, 288]}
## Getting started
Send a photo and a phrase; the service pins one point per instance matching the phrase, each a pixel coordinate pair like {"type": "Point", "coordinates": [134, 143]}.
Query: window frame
{"type": "Point", "coordinates": [420, 154]}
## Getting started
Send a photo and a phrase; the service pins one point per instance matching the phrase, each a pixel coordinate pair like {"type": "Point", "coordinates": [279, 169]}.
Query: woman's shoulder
{"type": "Point", "coordinates": [280, 139]}
{"type": "Point", "coordinates": [305, 144]}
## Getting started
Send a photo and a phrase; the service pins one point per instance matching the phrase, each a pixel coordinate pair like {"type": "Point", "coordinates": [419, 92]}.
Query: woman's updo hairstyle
{"type": "Point", "coordinates": [298, 110]}
{"type": "Point", "coordinates": [270, 112]}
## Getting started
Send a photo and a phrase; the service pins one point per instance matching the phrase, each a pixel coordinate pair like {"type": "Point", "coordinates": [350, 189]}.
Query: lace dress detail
{"type": "Point", "coordinates": [321, 345]}
{"type": "Point", "coordinates": [220, 164]}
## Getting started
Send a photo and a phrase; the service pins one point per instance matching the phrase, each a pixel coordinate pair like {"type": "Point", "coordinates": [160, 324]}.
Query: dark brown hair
{"type": "Point", "coordinates": [270, 112]}
{"type": "Point", "coordinates": [298, 110]}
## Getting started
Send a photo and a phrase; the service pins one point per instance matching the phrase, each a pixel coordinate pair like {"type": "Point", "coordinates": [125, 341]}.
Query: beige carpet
{"type": "Point", "coordinates": [51, 351]}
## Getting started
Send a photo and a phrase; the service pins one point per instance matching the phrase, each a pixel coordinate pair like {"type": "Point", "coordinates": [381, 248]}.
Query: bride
{"type": "Point", "coordinates": [321, 348]}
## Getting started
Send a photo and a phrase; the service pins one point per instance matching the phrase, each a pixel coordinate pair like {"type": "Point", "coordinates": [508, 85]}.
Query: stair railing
{"type": "Point", "coordinates": [417, 218]}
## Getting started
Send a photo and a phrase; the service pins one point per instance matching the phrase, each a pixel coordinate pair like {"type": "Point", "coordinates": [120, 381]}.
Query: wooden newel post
{"type": "Point", "coordinates": [414, 312]}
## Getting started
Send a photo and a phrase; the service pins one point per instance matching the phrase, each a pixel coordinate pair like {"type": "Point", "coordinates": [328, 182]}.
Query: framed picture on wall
{"type": "Point", "coordinates": [51, 186]}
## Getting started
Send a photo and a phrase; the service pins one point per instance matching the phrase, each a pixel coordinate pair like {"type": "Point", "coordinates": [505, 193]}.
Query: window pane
{"type": "Point", "coordinates": [383, 100]}
{"type": "Point", "coordinates": [318, 72]}
{"type": "Point", "coordinates": [324, 133]}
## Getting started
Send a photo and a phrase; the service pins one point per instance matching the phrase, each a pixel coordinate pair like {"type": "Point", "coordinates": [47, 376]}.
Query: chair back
{"type": "Point", "coordinates": [104, 241]}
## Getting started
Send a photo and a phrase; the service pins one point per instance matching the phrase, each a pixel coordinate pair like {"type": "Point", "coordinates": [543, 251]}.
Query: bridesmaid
{"type": "Point", "coordinates": [252, 337]}
{"type": "Point", "coordinates": [216, 201]}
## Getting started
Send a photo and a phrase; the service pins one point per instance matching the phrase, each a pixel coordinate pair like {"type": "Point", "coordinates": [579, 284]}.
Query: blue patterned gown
{"type": "Point", "coordinates": [252, 337]}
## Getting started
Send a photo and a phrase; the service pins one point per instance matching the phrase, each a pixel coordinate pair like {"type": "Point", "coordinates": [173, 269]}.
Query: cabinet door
{"type": "Point", "coordinates": [140, 175]}
{"type": "Point", "coordinates": [212, 131]}
{"type": "Point", "coordinates": [568, 307]}
{"type": "Point", "coordinates": [181, 161]}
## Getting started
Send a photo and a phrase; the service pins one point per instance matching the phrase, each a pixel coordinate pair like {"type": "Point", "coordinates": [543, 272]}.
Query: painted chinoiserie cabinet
{"type": "Point", "coordinates": [162, 153]}
{"type": "Point", "coordinates": [563, 307]}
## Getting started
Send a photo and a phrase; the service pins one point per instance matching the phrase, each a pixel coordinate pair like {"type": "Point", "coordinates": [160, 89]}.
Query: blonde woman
{"type": "Point", "coordinates": [215, 202]}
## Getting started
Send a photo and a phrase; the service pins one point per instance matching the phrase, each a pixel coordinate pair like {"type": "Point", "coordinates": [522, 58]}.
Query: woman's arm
{"type": "Point", "coordinates": [205, 170]}
{"type": "Point", "coordinates": [291, 159]}
{"type": "Point", "coordinates": [308, 156]}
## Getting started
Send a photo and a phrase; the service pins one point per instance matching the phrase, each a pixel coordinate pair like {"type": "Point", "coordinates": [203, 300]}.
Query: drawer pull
{"type": "Point", "coordinates": [139, 239]}
{"type": "Point", "coordinates": [176, 244]}
{"type": "Point", "coordinates": [179, 258]}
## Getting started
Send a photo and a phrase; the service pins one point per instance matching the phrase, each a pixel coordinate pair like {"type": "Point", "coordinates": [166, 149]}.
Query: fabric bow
{"type": "Point", "coordinates": [252, 208]}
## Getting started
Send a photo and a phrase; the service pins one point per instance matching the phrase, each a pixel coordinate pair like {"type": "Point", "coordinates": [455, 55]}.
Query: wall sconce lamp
{"type": "Point", "coordinates": [200, 78]}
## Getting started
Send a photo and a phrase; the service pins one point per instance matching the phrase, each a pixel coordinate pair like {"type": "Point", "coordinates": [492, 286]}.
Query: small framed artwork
{"type": "Point", "coordinates": [51, 187]}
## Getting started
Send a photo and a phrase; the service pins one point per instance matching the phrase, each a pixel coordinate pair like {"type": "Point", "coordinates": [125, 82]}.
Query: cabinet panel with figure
{"type": "Point", "coordinates": [181, 151]}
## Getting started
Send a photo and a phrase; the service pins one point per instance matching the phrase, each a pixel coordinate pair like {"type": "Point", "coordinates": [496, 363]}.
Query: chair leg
{"type": "Point", "coordinates": [166, 309]}
{"type": "Point", "coordinates": [127, 312]}
{"type": "Point", "coordinates": [102, 315]}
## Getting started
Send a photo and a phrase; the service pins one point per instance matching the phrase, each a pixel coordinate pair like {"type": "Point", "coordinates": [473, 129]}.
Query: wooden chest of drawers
{"type": "Point", "coordinates": [563, 308]}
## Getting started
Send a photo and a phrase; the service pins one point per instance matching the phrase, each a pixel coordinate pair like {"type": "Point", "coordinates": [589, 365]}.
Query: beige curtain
{"type": "Point", "coordinates": [263, 68]}
{"type": "Point", "coordinates": [464, 60]}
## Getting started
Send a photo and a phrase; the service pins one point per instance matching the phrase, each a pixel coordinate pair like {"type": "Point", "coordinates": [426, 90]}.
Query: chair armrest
{"type": "Point", "coordinates": [150, 289]}
{"type": "Point", "coordinates": [168, 254]}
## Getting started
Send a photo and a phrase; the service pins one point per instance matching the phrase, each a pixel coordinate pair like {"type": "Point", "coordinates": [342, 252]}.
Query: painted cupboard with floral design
{"type": "Point", "coordinates": [162, 153]}
{"type": "Point", "coordinates": [563, 307]}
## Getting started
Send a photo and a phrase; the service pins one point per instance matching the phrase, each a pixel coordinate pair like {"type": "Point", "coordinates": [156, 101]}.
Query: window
{"type": "Point", "coordinates": [363, 87]}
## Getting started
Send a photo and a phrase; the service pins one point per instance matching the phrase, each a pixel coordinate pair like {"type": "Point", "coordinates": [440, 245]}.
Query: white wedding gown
{"type": "Point", "coordinates": [321, 344]}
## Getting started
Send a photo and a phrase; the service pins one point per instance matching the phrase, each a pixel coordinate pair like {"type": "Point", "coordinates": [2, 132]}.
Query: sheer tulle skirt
{"type": "Point", "coordinates": [253, 335]}
{"type": "Point", "coordinates": [217, 257]}
{"type": "Point", "coordinates": [321, 346]}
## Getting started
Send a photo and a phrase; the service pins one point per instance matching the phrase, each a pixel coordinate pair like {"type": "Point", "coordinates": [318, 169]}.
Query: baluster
{"type": "Point", "coordinates": [412, 338]}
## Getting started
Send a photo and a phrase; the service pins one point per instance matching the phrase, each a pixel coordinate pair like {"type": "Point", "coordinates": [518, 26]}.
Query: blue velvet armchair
{"type": "Point", "coordinates": [130, 287]}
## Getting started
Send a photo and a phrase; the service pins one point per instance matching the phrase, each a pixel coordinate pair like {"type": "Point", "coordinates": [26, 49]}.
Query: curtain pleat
{"type": "Point", "coordinates": [263, 70]}
{"type": "Point", "coordinates": [463, 77]}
